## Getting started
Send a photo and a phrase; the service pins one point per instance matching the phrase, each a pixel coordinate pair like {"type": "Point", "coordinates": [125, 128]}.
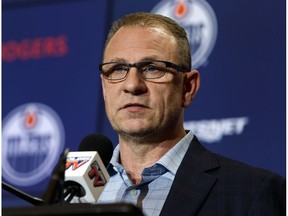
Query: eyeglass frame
{"type": "Point", "coordinates": [168, 64]}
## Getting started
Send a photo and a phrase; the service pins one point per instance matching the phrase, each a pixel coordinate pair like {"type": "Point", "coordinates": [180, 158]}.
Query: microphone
{"type": "Point", "coordinates": [86, 174]}
{"type": "Point", "coordinates": [100, 145]}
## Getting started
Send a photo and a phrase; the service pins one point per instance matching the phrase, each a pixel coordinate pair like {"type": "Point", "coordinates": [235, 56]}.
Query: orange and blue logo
{"type": "Point", "coordinates": [76, 162]}
{"type": "Point", "coordinates": [199, 21]}
{"type": "Point", "coordinates": [32, 140]}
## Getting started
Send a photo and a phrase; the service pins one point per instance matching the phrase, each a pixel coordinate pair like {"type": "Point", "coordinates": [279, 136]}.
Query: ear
{"type": "Point", "coordinates": [191, 85]}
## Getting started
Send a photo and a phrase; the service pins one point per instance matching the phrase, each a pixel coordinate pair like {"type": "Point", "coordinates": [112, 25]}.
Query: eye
{"type": "Point", "coordinates": [119, 68]}
{"type": "Point", "coordinates": [149, 68]}
{"type": "Point", "coordinates": [114, 70]}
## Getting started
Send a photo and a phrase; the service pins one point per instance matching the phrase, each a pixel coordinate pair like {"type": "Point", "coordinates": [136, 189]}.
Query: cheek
{"type": "Point", "coordinates": [109, 106]}
{"type": "Point", "coordinates": [168, 99]}
{"type": "Point", "coordinates": [107, 90]}
{"type": "Point", "coordinates": [109, 99]}
{"type": "Point", "coordinates": [174, 100]}
{"type": "Point", "coordinates": [107, 96]}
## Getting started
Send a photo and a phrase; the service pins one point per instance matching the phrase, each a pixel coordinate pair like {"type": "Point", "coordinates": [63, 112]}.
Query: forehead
{"type": "Point", "coordinates": [135, 43]}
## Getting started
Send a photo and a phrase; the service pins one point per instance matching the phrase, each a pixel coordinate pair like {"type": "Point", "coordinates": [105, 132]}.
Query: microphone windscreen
{"type": "Point", "coordinates": [100, 143]}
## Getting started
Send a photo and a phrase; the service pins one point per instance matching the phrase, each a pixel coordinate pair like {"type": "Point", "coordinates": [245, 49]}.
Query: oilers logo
{"type": "Point", "coordinates": [199, 21]}
{"type": "Point", "coordinates": [32, 140]}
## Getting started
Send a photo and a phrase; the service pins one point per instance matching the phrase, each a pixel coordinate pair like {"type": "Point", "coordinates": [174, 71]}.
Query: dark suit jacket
{"type": "Point", "coordinates": [209, 184]}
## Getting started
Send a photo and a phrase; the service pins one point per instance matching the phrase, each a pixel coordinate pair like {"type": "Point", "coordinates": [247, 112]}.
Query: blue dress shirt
{"type": "Point", "coordinates": [157, 179]}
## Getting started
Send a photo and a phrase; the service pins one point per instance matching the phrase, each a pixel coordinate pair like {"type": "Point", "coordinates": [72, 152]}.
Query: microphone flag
{"type": "Point", "coordinates": [85, 171]}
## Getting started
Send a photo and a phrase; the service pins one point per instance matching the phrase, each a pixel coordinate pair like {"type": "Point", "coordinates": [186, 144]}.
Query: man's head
{"type": "Point", "coordinates": [143, 19]}
{"type": "Point", "coordinates": [145, 101]}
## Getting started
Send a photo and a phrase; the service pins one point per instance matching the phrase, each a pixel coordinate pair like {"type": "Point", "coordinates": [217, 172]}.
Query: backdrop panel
{"type": "Point", "coordinates": [50, 59]}
{"type": "Point", "coordinates": [51, 50]}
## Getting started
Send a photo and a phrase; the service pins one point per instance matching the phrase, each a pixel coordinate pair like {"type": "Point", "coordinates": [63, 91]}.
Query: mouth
{"type": "Point", "coordinates": [134, 107]}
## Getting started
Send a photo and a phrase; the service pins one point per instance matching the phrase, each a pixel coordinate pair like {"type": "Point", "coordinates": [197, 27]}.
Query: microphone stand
{"type": "Point", "coordinates": [55, 189]}
{"type": "Point", "coordinates": [33, 200]}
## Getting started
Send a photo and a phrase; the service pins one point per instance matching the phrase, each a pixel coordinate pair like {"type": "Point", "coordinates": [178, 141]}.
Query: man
{"type": "Point", "coordinates": [147, 83]}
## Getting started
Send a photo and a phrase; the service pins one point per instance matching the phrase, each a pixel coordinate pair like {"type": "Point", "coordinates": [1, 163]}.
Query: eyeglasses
{"type": "Point", "coordinates": [150, 69]}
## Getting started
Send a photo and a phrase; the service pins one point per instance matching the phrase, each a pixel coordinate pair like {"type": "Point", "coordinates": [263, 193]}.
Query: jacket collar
{"type": "Point", "coordinates": [192, 182]}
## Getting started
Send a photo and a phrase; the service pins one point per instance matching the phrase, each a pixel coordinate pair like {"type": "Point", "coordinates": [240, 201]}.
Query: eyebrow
{"type": "Point", "coordinates": [146, 58]}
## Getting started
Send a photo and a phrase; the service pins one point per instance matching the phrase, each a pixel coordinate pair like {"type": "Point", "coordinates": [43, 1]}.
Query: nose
{"type": "Point", "coordinates": [134, 83]}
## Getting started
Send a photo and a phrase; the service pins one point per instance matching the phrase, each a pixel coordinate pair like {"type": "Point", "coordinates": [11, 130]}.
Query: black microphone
{"type": "Point", "coordinates": [100, 143]}
{"type": "Point", "coordinates": [86, 174]}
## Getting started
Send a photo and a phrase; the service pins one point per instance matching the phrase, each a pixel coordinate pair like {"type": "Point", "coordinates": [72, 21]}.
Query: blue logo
{"type": "Point", "coordinates": [199, 21]}
{"type": "Point", "coordinates": [32, 140]}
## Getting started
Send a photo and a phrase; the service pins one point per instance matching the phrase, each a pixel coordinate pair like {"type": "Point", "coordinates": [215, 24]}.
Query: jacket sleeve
{"type": "Point", "coordinates": [270, 197]}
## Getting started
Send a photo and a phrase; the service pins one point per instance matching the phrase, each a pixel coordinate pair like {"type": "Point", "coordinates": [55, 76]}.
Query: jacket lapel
{"type": "Point", "coordinates": [192, 183]}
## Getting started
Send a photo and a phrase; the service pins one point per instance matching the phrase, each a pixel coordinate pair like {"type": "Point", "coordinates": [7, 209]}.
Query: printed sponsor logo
{"type": "Point", "coordinates": [76, 162]}
{"type": "Point", "coordinates": [199, 21]}
{"type": "Point", "coordinates": [32, 140]}
{"type": "Point", "coordinates": [214, 130]}
{"type": "Point", "coordinates": [35, 48]}
{"type": "Point", "coordinates": [96, 174]}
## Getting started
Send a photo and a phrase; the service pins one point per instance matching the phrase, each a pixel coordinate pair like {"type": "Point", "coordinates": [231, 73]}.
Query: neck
{"type": "Point", "coordinates": [135, 156]}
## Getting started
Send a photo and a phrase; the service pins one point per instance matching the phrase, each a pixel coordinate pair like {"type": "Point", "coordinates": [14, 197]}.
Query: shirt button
{"type": "Point", "coordinates": [133, 192]}
{"type": "Point", "coordinates": [115, 169]}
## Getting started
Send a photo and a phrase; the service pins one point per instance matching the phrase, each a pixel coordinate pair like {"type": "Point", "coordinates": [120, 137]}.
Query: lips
{"type": "Point", "coordinates": [133, 107]}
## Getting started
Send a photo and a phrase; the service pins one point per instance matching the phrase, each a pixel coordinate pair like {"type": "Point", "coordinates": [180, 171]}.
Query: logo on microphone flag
{"type": "Point", "coordinates": [76, 162]}
{"type": "Point", "coordinates": [96, 174]}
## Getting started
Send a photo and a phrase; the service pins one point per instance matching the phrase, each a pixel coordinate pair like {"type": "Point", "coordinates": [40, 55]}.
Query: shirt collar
{"type": "Point", "coordinates": [171, 160]}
